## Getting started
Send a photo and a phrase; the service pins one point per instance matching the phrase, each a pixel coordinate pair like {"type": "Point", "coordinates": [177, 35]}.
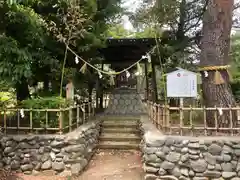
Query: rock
{"type": "Point", "coordinates": [76, 169]}
{"type": "Point", "coordinates": [27, 167]}
{"type": "Point", "coordinates": [149, 169]}
{"type": "Point", "coordinates": [41, 150]}
{"type": "Point", "coordinates": [218, 167]}
{"type": "Point", "coordinates": [215, 149]}
{"type": "Point", "coordinates": [228, 175]}
{"type": "Point", "coordinates": [162, 172]}
{"type": "Point", "coordinates": [209, 158]}
{"type": "Point", "coordinates": [56, 150]}
{"type": "Point", "coordinates": [199, 165]}
{"type": "Point", "coordinates": [184, 150]}
{"type": "Point", "coordinates": [167, 165]}
{"type": "Point", "coordinates": [57, 144]}
{"type": "Point", "coordinates": [150, 177]}
{"type": "Point", "coordinates": [58, 166]}
{"type": "Point", "coordinates": [154, 142]}
{"type": "Point", "coordinates": [15, 165]}
{"type": "Point", "coordinates": [8, 150]}
{"type": "Point", "coordinates": [53, 156]}
{"type": "Point", "coordinates": [212, 174]}
{"type": "Point", "coordinates": [183, 178]}
{"type": "Point", "coordinates": [152, 158]}
{"type": "Point", "coordinates": [191, 173]}
{"type": "Point", "coordinates": [235, 178]}
{"type": "Point", "coordinates": [166, 150]}
{"type": "Point", "coordinates": [226, 157]}
{"type": "Point", "coordinates": [194, 145]}
{"type": "Point", "coordinates": [176, 172]}
{"type": "Point", "coordinates": [75, 148]}
{"type": "Point", "coordinates": [59, 159]}
{"type": "Point", "coordinates": [160, 154]}
{"type": "Point", "coordinates": [38, 166]}
{"type": "Point", "coordinates": [184, 171]}
{"type": "Point", "coordinates": [46, 165]}
{"type": "Point", "coordinates": [169, 141]}
{"type": "Point", "coordinates": [35, 173]}
{"type": "Point", "coordinates": [19, 138]}
{"type": "Point", "coordinates": [173, 157]}
{"type": "Point", "coordinates": [237, 152]}
{"type": "Point", "coordinates": [227, 167]}
{"type": "Point", "coordinates": [227, 149]}
{"type": "Point", "coordinates": [194, 157]}
{"type": "Point", "coordinates": [211, 167]}
{"type": "Point", "coordinates": [200, 178]}
{"type": "Point", "coordinates": [45, 157]}
{"type": "Point", "coordinates": [184, 157]}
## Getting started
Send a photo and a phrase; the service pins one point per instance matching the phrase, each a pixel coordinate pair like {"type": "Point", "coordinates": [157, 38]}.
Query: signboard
{"type": "Point", "coordinates": [181, 84]}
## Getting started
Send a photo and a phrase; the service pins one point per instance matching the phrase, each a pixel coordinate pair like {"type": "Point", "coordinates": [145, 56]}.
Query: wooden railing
{"type": "Point", "coordinates": [195, 121]}
{"type": "Point", "coordinates": [45, 121]}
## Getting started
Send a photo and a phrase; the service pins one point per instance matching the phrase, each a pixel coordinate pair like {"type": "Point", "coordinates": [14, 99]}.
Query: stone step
{"type": "Point", "coordinates": [119, 124]}
{"type": "Point", "coordinates": [120, 137]}
{"type": "Point", "coordinates": [120, 118]}
{"type": "Point", "coordinates": [118, 145]}
{"type": "Point", "coordinates": [133, 130]}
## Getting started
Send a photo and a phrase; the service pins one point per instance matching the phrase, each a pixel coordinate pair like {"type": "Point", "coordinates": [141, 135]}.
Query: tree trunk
{"type": "Point", "coordinates": [22, 90]}
{"type": "Point", "coordinates": [215, 46]}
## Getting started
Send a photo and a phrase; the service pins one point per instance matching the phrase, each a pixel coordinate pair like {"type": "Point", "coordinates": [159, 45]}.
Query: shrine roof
{"type": "Point", "coordinates": [126, 50]}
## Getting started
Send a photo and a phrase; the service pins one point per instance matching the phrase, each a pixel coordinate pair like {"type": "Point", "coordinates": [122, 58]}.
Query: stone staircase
{"type": "Point", "coordinates": [120, 132]}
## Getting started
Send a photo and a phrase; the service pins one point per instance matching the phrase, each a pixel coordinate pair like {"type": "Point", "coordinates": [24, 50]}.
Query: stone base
{"type": "Point", "coordinates": [124, 101]}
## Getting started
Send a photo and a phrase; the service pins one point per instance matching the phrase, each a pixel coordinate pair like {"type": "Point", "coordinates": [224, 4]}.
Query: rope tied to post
{"type": "Point", "coordinates": [218, 77]}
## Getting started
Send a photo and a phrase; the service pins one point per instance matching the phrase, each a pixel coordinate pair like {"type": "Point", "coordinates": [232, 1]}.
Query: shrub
{"type": "Point", "coordinates": [39, 118]}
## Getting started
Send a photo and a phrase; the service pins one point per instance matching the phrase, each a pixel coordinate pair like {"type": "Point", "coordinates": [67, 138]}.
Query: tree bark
{"type": "Point", "coordinates": [215, 46]}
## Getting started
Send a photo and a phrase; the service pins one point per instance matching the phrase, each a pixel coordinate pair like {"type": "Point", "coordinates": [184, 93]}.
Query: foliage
{"type": "Point", "coordinates": [39, 117]}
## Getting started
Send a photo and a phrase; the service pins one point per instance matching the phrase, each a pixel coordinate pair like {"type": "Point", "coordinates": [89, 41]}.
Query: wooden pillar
{"type": "Point", "coordinates": [146, 75]}
{"type": "Point", "coordinates": [154, 82]}
{"type": "Point", "coordinates": [101, 90]}
{"type": "Point", "coordinates": [97, 92]}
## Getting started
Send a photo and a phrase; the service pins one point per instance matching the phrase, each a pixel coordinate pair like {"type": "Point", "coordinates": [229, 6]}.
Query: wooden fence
{"type": "Point", "coordinates": [45, 121]}
{"type": "Point", "coordinates": [195, 121]}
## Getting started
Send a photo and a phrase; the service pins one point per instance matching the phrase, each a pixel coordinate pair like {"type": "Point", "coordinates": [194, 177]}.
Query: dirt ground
{"type": "Point", "coordinates": [105, 165]}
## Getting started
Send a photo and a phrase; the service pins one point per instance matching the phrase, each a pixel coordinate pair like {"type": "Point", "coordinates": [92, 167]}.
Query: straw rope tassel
{"type": "Point", "coordinates": [139, 69]}
{"type": "Point", "coordinates": [218, 78]}
{"type": "Point", "coordinates": [230, 78]}
{"type": "Point", "coordinates": [83, 68]}
{"type": "Point", "coordinates": [112, 81]}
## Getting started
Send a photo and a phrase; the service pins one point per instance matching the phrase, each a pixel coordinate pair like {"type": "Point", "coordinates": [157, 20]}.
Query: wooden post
{"type": "Point", "coordinates": [101, 91]}
{"type": "Point", "coordinates": [181, 116]}
{"type": "Point", "coordinates": [5, 122]}
{"type": "Point", "coordinates": [154, 82]}
{"type": "Point", "coordinates": [61, 122]}
{"type": "Point", "coordinates": [97, 92]}
{"type": "Point", "coordinates": [78, 115]}
{"type": "Point", "coordinates": [146, 76]}
{"type": "Point", "coordinates": [46, 125]}
{"type": "Point", "coordinates": [70, 119]}
{"type": "Point", "coordinates": [31, 120]}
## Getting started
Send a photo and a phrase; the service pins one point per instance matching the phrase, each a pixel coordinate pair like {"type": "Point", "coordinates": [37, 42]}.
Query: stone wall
{"type": "Point", "coordinates": [67, 154]}
{"type": "Point", "coordinates": [196, 158]}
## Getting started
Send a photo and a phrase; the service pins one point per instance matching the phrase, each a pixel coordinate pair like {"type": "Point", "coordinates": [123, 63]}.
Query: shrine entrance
{"type": "Point", "coordinates": [130, 88]}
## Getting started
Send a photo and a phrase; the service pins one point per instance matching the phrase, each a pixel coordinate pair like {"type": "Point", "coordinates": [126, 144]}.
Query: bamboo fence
{"type": "Point", "coordinates": [195, 121]}
{"type": "Point", "coordinates": [45, 121]}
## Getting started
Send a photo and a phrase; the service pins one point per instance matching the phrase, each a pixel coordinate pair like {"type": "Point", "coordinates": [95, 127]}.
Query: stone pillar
{"type": "Point", "coordinates": [70, 90]}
